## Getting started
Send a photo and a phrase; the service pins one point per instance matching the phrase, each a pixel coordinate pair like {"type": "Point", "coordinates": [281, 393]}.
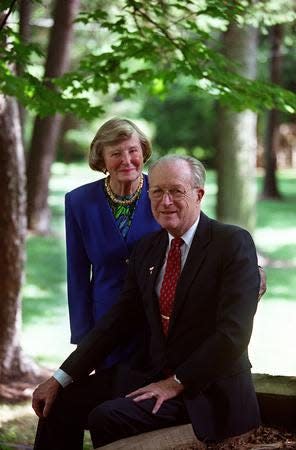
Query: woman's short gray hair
{"type": "Point", "coordinates": [198, 171]}
{"type": "Point", "coordinates": [112, 132]}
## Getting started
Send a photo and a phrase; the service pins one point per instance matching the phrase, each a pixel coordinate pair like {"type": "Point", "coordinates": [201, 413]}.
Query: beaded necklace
{"type": "Point", "coordinates": [123, 207]}
{"type": "Point", "coordinates": [123, 200]}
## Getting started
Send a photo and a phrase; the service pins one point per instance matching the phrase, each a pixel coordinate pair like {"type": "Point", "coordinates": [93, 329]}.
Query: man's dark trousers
{"type": "Point", "coordinates": [91, 404]}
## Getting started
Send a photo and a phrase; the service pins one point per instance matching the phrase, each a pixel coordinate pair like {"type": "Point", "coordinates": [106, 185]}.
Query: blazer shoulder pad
{"type": "Point", "coordinates": [151, 239]}
{"type": "Point", "coordinates": [226, 228]}
{"type": "Point", "coordinates": [84, 190]}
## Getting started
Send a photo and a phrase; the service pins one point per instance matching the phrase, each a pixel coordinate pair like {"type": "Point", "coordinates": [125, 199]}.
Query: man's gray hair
{"type": "Point", "coordinates": [198, 171]}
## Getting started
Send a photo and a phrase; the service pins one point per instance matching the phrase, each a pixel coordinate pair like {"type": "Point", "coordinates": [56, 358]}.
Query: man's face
{"type": "Point", "coordinates": [175, 201]}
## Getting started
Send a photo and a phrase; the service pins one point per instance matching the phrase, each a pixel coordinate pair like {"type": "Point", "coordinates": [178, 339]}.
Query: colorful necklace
{"type": "Point", "coordinates": [120, 199]}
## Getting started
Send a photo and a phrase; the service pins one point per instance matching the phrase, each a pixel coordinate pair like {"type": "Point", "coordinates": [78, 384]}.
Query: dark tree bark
{"type": "Point", "coordinates": [237, 139]}
{"type": "Point", "coordinates": [270, 187]}
{"type": "Point", "coordinates": [25, 11]}
{"type": "Point", "coordinates": [46, 130]}
{"type": "Point", "coordinates": [12, 242]}
{"type": "Point", "coordinates": [70, 122]}
{"type": "Point", "coordinates": [14, 365]}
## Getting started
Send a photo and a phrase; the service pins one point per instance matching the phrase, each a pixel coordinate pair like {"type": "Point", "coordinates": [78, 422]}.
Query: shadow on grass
{"type": "Point", "coordinates": [18, 424]}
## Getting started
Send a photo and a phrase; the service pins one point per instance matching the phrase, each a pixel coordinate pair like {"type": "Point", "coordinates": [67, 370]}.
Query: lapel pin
{"type": "Point", "coordinates": [151, 269]}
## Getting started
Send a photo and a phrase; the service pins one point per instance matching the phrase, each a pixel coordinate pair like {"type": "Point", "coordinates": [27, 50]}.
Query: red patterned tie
{"type": "Point", "coordinates": [169, 283]}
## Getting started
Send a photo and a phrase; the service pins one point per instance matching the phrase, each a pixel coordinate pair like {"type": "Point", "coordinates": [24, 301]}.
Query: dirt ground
{"type": "Point", "coordinates": [16, 391]}
{"type": "Point", "coordinates": [263, 438]}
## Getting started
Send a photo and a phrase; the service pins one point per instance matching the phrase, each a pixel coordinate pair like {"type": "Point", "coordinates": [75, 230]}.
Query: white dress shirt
{"type": "Point", "coordinates": [187, 238]}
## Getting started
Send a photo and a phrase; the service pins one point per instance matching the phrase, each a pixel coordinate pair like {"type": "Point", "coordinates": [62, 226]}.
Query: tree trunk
{"type": "Point", "coordinates": [12, 231]}
{"type": "Point", "coordinates": [70, 122]}
{"type": "Point", "coordinates": [270, 187]}
{"type": "Point", "coordinates": [46, 130]}
{"type": "Point", "coordinates": [25, 11]}
{"type": "Point", "coordinates": [237, 139]}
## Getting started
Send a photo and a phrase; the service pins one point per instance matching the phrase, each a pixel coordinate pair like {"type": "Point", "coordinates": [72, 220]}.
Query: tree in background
{"type": "Point", "coordinates": [25, 11]}
{"type": "Point", "coordinates": [13, 362]}
{"type": "Point", "coordinates": [270, 188]}
{"type": "Point", "coordinates": [13, 230]}
{"type": "Point", "coordinates": [184, 121]}
{"type": "Point", "coordinates": [46, 129]}
{"type": "Point", "coordinates": [237, 138]}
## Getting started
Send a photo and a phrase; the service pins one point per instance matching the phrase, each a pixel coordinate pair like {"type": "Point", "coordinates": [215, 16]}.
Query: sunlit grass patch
{"type": "Point", "coordinates": [17, 423]}
{"type": "Point", "coordinates": [274, 335]}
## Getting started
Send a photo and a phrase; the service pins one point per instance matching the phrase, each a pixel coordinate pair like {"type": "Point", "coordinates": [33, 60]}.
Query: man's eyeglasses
{"type": "Point", "coordinates": [174, 193]}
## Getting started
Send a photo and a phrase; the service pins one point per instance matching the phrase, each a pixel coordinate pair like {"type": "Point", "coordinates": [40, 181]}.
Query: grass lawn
{"type": "Point", "coordinates": [45, 317]}
{"type": "Point", "coordinates": [272, 345]}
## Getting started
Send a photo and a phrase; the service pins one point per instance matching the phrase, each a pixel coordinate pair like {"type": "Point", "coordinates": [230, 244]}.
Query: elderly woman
{"type": "Point", "coordinates": [104, 220]}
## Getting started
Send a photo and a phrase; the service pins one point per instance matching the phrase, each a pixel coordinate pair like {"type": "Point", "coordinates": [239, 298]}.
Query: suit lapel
{"type": "Point", "coordinates": [153, 264]}
{"type": "Point", "coordinates": [194, 260]}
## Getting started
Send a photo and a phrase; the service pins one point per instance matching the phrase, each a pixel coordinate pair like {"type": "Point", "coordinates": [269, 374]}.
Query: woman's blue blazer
{"type": "Point", "coordinates": [97, 254]}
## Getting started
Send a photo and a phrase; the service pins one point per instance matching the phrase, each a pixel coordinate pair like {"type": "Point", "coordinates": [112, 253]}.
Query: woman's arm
{"type": "Point", "coordinates": [78, 277]}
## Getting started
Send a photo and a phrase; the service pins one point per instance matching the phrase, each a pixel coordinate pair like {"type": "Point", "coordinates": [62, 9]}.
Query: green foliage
{"type": "Point", "coordinates": [182, 121]}
{"type": "Point", "coordinates": [264, 14]}
{"type": "Point", "coordinates": [33, 92]}
{"type": "Point", "coordinates": [148, 44]}
{"type": "Point", "coordinates": [166, 46]}
{"type": "Point", "coordinates": [5, 4]}
{"type": "Point", "coordinates": [75, 145]}
{"type": "Point", "coordinates": [289, 60]}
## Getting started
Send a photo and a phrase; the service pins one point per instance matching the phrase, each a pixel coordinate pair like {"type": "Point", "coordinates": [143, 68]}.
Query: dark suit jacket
{"type": "Point", "coordinates": [209, 332]}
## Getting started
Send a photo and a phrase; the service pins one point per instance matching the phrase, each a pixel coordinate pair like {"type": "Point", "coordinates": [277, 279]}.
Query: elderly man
{"type": "Point", "coordinates": [193, 288]}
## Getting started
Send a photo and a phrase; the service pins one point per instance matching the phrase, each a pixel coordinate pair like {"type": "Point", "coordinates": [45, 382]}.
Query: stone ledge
{"type": "Point", "coordinates": [277, 400]}
{"type": "Point", "coordinates": [182, 438]}
{"type": "Point", "coordinates": [274, 384]}
{"type": "Point", "coordinates": [178, 438]}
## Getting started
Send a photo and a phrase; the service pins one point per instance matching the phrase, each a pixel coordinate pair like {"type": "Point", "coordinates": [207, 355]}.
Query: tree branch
{"type": "Point", "coordinates": [7, 15]}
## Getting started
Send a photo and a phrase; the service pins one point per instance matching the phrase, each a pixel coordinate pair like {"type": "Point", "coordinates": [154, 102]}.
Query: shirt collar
{"type": "Point", "coordinates": [188, 235]}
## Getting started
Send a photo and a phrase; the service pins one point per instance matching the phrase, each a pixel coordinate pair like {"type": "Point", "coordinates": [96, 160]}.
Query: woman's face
{"type": "Point", "coordinates": [124, 160]}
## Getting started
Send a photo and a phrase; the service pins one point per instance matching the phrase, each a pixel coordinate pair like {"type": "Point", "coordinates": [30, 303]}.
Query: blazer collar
{"type": "Point", "coordinates": [153, 263]}
{"type": "Point", "coordinates": [156, 257]}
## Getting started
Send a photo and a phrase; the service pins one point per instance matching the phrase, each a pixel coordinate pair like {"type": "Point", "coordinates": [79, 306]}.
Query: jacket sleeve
{"type": "Point", "coordinates": [236, 307]}
{"type": "Point", "coordinates": [121, 322]}
{"type": "Point", "coordinates": [78, 277]}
